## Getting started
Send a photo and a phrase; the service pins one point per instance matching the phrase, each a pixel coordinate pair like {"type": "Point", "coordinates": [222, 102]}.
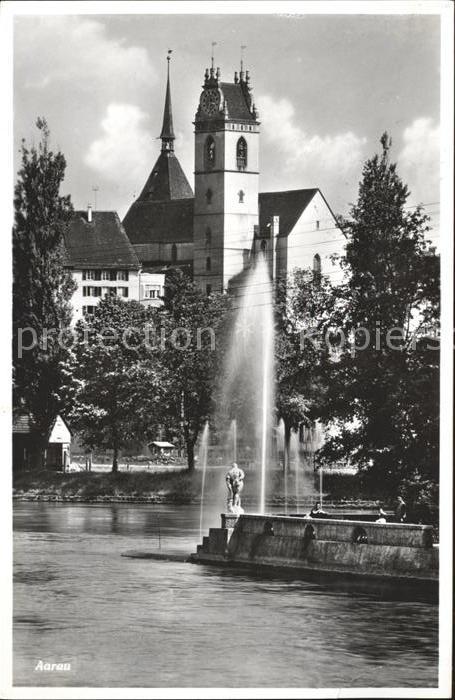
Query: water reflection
{"type": "Point", "coordinates": [131, 622]}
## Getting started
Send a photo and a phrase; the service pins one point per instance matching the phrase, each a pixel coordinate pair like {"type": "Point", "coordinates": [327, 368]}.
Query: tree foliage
{"type": "Point", "coordinates": [192, 329]}
{"type": "Point", "coordinates": [42, 287]}
{"type": "Point", "coordinates": [120, 389]}
{"type": "Point", "coordinates": [305, 310]}
{"type": "Point", "coordinates": [383, 389]}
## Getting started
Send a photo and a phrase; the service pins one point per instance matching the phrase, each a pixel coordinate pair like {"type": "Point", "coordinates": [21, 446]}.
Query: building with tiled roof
{"type": "Point", "coordinates": [216, 233]}
{"type": "Point", "coordinates": [103, 262]}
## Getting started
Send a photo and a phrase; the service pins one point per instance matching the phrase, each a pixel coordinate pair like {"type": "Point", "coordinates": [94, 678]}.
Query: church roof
{"type": "Point", "coordinates": [237, 104]}
{"type": "Point", "coordinates": [102, 243]}
{"type": "Point", "coordinates": [288, 205]}
{"type": "Point", "coordinates": [148, 221]}
{"type": "Point", "coordinates": [167, 181]}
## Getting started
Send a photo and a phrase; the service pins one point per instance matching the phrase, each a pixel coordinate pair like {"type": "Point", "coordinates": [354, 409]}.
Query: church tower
{"type": "Point", "coordinates": [226, 179]}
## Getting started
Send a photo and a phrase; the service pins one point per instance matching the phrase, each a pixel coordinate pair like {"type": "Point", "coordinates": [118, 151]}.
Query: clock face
{"type": "Point", "coordinates": [210, 102]}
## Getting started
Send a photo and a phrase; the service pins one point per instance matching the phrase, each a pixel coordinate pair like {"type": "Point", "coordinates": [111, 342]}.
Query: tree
{"type": "Point", "coordinates": [42, 288]}
{"type": "Point", "coordinates": [120, 390]}
{"type": "Point", "coordinates": [383, 388]}
{"type": "Point", "coordinates": [305, 311]}
{"type": "Point", "coordinates": [192, 328]}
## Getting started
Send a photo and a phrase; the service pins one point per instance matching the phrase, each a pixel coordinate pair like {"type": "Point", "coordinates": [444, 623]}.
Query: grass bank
{"type": "Point", "coordinates": [164, 487]}
{"type": "Point", "coordinates": [158, 487]}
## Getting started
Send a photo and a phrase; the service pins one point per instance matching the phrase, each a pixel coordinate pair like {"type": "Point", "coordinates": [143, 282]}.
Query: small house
{"type": "Point", "coordinates": [57, 453]}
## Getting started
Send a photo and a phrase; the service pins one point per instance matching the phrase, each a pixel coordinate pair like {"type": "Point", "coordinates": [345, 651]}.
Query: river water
{"type": "Point", "coordinates": [122, 622]}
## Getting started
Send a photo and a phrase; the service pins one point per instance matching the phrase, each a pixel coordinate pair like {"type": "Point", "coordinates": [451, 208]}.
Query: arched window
{"type": "Point", "coordinates": [317, 268]}
{"type": "Point", "coordinates": [210, 152]}
{"type": "Point", "coordinates": [208, 196]}
{"type": "Point", "coordinates": [241, 196]}
{"type": "Point", "coordinates": [242, 153]}
{"type": "Point", "coordinates": [208, 237]}
{"type": "Point", "coordinates": [174, 253]}
{"type": "Point", "coordinates": [208, 264]}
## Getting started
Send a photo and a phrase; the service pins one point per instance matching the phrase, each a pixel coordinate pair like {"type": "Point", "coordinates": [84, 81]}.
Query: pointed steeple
{"type": "Point", "coordinates": [167, 135]}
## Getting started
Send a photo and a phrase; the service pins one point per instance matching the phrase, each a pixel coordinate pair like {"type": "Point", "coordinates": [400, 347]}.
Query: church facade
{"type": "Point", "coordinates": [216, 232]}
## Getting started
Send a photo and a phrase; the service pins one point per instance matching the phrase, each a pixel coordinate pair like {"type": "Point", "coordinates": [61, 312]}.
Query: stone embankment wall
{"type": "Point", "coordinates": [343, 546]}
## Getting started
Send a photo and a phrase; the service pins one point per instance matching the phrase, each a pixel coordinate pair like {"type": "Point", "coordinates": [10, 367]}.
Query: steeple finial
{"type": "Point", "coordinates": [242, 49]}
{"type": "Point", "coordinates": [167, 132]}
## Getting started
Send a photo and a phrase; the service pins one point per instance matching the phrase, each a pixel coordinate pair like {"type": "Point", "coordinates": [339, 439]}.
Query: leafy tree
{"type": "Point", "coordinates": [120, 390]}
{"type": "Point", "coordinates": [42, 288]}
{"type": "Point", "coordinates": [383, 392]}
{"type": "Point", "coordinates": [305, 311]}
{"type": "Point", "coordinates": [192, 329]}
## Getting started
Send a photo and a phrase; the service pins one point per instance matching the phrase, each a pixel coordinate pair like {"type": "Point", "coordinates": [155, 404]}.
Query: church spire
{"type": "Point", "coordinates": [167, 132]}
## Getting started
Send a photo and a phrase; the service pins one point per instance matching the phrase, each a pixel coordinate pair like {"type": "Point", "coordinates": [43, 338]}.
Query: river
{"type": "Point", "coordinates": [121, 622]}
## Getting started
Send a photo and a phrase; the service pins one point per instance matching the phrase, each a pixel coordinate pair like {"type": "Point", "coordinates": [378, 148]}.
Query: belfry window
{"type": "Point", "coordinates": [208, 264]}
{"type": "Point", "coordinates": [174, 253]}
{"type": "Point", "coordinates": [208, 237]}
{"type": "Point", "coordinates": [210, 152]}
{"type": "Point", "coordinates": [242, 153]}
{"type": "Point", "coordinates": [241, 197]}
{"type": "Point", "coordinates": [209, 195]}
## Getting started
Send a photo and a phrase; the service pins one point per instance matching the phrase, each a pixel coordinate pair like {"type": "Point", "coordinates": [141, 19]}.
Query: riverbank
{"type": "Point", "coordinates": [184, 488]}
{"type": "Point", "coordinates": [179, 487]}
{"type": "Point", "coordinates": [107, 487]}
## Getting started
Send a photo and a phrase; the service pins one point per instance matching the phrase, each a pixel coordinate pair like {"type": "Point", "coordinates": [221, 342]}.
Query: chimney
{"type": "Point", "coordinates": [89, 213]}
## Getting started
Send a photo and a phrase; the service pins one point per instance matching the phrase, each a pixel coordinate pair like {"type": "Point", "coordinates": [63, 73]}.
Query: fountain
{"type": "Point", "coordinates": [295, 459]}
{"type": "Point", "coordinates": [281, 448]}
{"type": "Point", "coordinates": [232, 441]}
{"type": "Point", "coordinates": [248, 386]}
{"type": "Point", "coordinates": [202, 462]}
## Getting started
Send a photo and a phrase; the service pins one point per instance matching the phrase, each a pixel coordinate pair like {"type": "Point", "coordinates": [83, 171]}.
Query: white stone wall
{"type": "Point", "coordinates": [309, 238]}
{"type": "Point", "coordinates": [79, 301]}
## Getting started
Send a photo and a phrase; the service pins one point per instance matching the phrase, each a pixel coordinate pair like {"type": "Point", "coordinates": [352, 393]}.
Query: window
{"type": "Point", "coordinates": [151, 291]}
{"type": "Point", "coordinates": [242, 153]}
{"type": "Point", "coordinates": [208, 237]}
{"type": "Point", "coordinates": [96, 291]}
{"type": "Point", "coordinates": [317, 268]}
{"type": "Point", "coordinates": [208, 289]}
{"type": "Point", "coordinates": [241, 196]}
{"type": "Point", "coordinates": [174, 253]}
{"type": "Point", "coordinates": [123, 291]}
{"type": "Point", "coordinates": [317, 225]}
{"type": "Point", "coordinates": [263, 246]}
{"type": "Point", "coordinates": [209, 195]}
{"type": "Point", "coordinates": [122, 275]}
{"type": "Point", "coordinates": [88, 310]}
{"type": "Point", "coordinates": [208, 264]}
{"type": "Point", "coordinates": [89, 274]}
{"type": "Point", "coordinates": [105, 291]}
{"type": "Point", "coordinates": [113, 275]}
{"type": "Point", "coordinates": [85, 291]}
{"type": "Point", "coordinates": [105, 275]}
{"type": "Point", "coordinates": [210, 152]}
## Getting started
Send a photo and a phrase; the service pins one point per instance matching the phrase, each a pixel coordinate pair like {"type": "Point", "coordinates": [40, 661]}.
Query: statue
{"type": "Point", "coordinates": [234, 483]}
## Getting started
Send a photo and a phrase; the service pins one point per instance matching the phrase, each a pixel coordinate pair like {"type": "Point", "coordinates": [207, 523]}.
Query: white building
{"type": "Point", "coordinates": [103, 262]}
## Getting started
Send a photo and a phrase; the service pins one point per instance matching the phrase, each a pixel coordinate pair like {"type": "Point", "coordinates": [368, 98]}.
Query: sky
{"type": "Point", "coordinates": [326, 87]}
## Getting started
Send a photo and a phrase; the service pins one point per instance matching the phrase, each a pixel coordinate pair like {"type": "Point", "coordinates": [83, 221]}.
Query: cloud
{"type": "Point", "coordinates": [418, 161]}
{"type": "Point", "coordinates": [124, 151]}
{"type": "Point", "coordinates": [330, 161]}
{"type": "Point", "coordinates": [59, 49]}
